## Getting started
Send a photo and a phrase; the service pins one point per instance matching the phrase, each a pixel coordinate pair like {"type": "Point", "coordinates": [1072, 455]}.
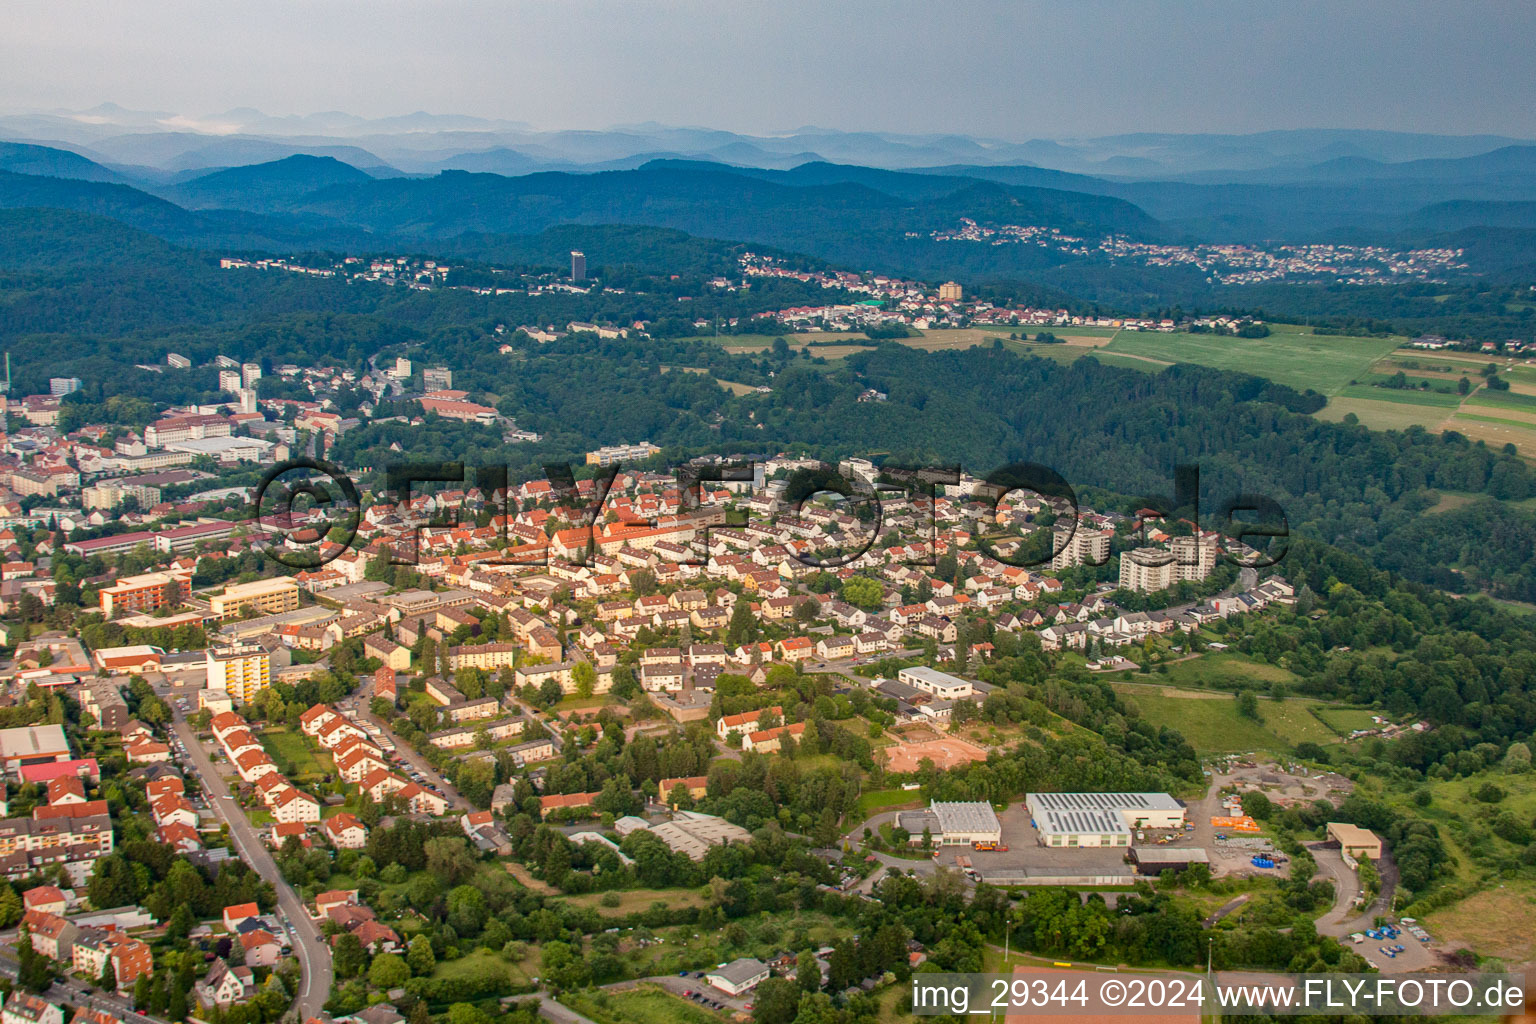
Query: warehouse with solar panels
{"type": "Point", "coordinates": [1100, 819]}
{"type": "Point", "coordinates": [954, 824]}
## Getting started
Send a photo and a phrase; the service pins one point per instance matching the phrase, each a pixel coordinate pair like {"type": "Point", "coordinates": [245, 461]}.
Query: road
{"type": "Point", "coordinates": [76, 994]}
{"type": "Point", "coordinates": [314, 954]}
{"type": "Point", "coordinates": [552, 1010]}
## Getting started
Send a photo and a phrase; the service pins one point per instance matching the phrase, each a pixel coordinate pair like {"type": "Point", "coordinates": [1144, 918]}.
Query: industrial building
{"type": "Point", "coordinates": [739, 976]}
{"type": "Point", "coordinates": [1356, 841]}
{"type": "Point", "coordinates": [954, 824]}
{"type": "Point", "coordinates": [1154, 860]}
{"type": "Point", "coordinates": [1100, 819]}
{"type": "Point", "coordinates": [32, 744]}
{"type": "Point", "coordinates": [940, 684]}
{"type": "Point", "coordinates": [692, 833]}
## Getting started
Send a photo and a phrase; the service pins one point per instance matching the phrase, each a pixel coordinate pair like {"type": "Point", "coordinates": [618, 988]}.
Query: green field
{"type": "Point", "coordinates": [1501, 420]}
{"type": "Point", "coordinates": [1378, 415]}
{"type": "Point", "coordinates": [1290, 355]}
{"type": "Point", "coordinates": [1211, 723]}
{"type": "Point", "coordinates": [632, 900]}
{"type": "Point", "coordinates": [1401, 396]}
{"type": "Point", "coordinates": [296, 757]}
{"type": "Point", "coordinates": [874, 802]}
{"type": "Point", "coordinates": [1225, 670]}
{"type": "Point", "coordinates": [646, 1004]}
{"type": "Point", "coordinates": [1346, 720]}
{"type": "Point", "coordinates": [478, 962]}
{"type": "Point", "coordinates": [1503, 400]}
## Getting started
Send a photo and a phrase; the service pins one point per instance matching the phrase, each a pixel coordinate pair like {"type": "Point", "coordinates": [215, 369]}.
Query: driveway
{"type": "Point", "coordinates": [1344, 920]}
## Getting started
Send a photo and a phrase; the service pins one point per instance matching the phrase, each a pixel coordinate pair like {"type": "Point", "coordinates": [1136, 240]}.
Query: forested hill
{"type": "Point", "coordinates": [265, 187]}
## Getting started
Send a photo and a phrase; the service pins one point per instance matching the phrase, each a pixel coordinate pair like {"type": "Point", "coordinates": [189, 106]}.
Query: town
{"type": "Point", "coordinates": [570, 687]}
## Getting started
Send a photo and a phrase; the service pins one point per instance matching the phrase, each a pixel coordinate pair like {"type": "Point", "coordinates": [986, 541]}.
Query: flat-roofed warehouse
{"type": "Point", "coordinates": [1154, 860]}
{"type": "Point", "coordinates": [1100, 819]}
{"type": "Point", "coordinates": [1354, 840]}
{"type": "Point", "coordinates": [954, 824]}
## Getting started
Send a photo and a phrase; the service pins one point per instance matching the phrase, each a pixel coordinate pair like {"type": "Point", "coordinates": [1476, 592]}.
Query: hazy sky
{"type": "Point", "coordinates": [1003, 68]}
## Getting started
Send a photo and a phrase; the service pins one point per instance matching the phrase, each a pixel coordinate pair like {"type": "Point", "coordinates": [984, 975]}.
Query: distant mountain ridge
{"type": "Point", "coordinates": [847, 215]}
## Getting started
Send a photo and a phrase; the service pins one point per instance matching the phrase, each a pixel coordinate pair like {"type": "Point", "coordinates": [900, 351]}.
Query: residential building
{"type": "Point", "coordinates": [263, 597]}
{"type": "Point", "coordinates": [241, 670]}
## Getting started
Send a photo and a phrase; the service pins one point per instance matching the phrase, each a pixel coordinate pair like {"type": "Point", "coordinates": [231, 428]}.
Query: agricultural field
{"type": "Point", "coordinates": [1211, 724]}
{"type": "Point", "coordinates": [1402, 396]}
{"type": "Point", "coordinates": [1380, 415]}
{"type": "Point", "coordinates": [1290, 355]}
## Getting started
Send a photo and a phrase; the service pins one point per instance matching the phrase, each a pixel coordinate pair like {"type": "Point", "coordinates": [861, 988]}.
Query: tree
{"type": "Point", "coordinates": [389, 970]}
{"type": "Point", "coordinates": [743, 627]}
{"type": "Point", "coordinates": [585, 677]}
{"type": "Point", "coordinates": [449, 859]}
{"type": "Point", "coordinates": [776, 1001]}
{"type": "Point", "coordinates": [347, 955]}
{"type": "Point", "coordinates": [808, 971]}
{"type": "Point", "coordinates": [11, 907]}
{"type": "Point", "coordinates": [419, 956]}
{"type": "Point", "coordinates": [35, 972]}
{"type": "Point", "coordinates": [550, 692]}
{"type": "Point", "coordinates": [1517, 758]}
{"type": "Point", "coordinates": [862, 592]}
{"type": "Point", "coordinates": [1248, 705]}
{"type": "Point", "coordinates": [564, 967]}
{"type": "Point", "coordinates": [108, 979]}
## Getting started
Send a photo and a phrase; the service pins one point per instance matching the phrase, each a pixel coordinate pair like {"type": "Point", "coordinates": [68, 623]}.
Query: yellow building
{"type": "Point", "coordinates": [242, 671]}
{"type": "Point", "coordinates": [263, 597]}
{"type": "Point", "coordinates": [1356, 841]}
{"type": "Point", "coordinates": [949, 291]}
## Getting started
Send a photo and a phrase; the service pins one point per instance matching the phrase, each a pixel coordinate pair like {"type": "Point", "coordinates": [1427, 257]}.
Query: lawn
{"type": "Point", "coordinates": [296, 757]}
{"type": "Point", "coordinates": [478, 963]}
{"type": "Point", "coordinates": [878, 800]}
{"type": "Point", "coordinates": [644, 1004]}
{"type": "Point", "coordinates": [1225, 670]}
{"type": "Point", "coordinates": [1211, 724]}
{"type": "Point", "coordinates": [1290, 355]}
{"type": "Point", "coordinates": [1346, 720]}
{"type": "Point", "coordinates": [634, 900]}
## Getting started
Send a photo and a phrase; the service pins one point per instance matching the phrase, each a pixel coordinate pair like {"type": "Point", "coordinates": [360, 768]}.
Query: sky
{"type": "Point", "coordinates": [1007, 69]}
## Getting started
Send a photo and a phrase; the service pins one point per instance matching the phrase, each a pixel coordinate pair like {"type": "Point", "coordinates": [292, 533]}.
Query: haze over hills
{"type": "Point", "coordinates": [425, 143]}
{"type": "Point", "coordinates": [879, 218]}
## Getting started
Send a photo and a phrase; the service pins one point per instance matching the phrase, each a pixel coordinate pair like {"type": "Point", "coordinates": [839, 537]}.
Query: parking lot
{"type": "Point", "coordinates": [691, 986]}
{"type": "Point", "coordinates": [1025, 854]}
